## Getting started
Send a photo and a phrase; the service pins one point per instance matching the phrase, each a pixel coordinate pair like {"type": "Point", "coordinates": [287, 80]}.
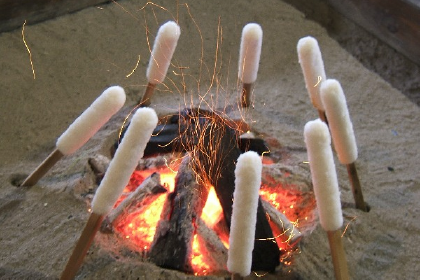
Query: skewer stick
{"type": "Point", "coordinates": [338, 255]}
{"type": "Point", "coordinates": [236, 276]}
{"type": "Point", "coordinates": [322, 116]}
{"type": "Point", "coordinates": [128, 154]}
{"type": "Point", "coordinates": [312, 66]}
{"type": "Point", "coordinates": [356, 187]}
{"type": "Point", "coordinates": [146, 99]}
{"type": "Point", "coordinates": [245, 95]}
{"type": "Point", "coordinates": [81, 130]}
{"type": "Point", "coordinates": [82, 246]}
{"type": "Point", "coordinates": [250, 49]}
{"type": "Point", "coordinates": [43, 168]}
{"type": "Point", "coordinates": [343, 136]}
{"type": "Point", "coordinates": [162, 52]}
{"type": "Point", "coordinates": [326, 189]}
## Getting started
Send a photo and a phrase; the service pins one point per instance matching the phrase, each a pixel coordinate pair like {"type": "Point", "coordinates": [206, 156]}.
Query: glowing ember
{"type": "Point", "coordinates": [139, 226]}
{"type": "Point", "coordinates": [298, 207]}
{"type": "Point", "coordinates": [288, 202]}
{"type": "Point", "coordinates": [198, 262]}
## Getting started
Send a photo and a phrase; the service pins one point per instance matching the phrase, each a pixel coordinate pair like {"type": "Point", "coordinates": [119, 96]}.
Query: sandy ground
{"type": "Point", "coordinates": [76, 56]}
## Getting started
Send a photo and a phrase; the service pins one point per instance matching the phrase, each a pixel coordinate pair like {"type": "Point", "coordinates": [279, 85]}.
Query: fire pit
{"type": "Point", "coordinates": [176, 210]}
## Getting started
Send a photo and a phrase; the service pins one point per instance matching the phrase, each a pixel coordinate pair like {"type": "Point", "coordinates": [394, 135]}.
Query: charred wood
{"type": "Point", "coordinates": [215, 156]}
{"type": "Point", "coordinates": [134, 201]}
{"type": "Point", "coordinates": [173, 239]}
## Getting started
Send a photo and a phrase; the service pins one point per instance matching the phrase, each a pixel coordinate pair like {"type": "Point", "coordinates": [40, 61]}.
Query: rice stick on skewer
{"type": "Point", "coordinates": [312, 65]}
{"type": "Point", "coordinates": [162, 52]}
{"type": "Point", "coordinates": [125, 160]}
{"type": "Point", "coordinates": [343, 136]}
{"type": "Point", "coordinates": [250, 49]}
{"type": "Point", "coordinates": [248, 177]}
{"type": "Point", "coordinates": [81, 130]}
{"type": "Point", "coordinates": [326, 189]}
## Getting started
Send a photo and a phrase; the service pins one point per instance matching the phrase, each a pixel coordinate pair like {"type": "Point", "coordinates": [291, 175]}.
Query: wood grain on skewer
{"type": "Point", "coordinates": [356, 187]}
{"type": "Point", "coordinates": [236, 276]}
{"type": "Point", "coordinates": [322, 116]}
{"type": "Point", "coordinates": [146, 99]}
{"type": "Point", "coordinates": [338, 255]}
{"type": "Point", "coordinates": [42, 169]}
{"type": "Point", "coordinates": [82, 247]}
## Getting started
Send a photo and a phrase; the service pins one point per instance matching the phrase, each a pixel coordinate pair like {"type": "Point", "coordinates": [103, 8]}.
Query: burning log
{"type": "Point", "coordinates": [149, 187]}
{"type": "Point", "coordinates": [218, 254]}
{"type": "Point", "coordinates": [215, 157]}
{"type": "Point", "coordinates": [214, 145]}
{"type": "Point", "coordinates": [289, 232]}
{"type": "Point", "coordinates": [173, 240]}
{"type": "Point", "coordinates": [173, 137]}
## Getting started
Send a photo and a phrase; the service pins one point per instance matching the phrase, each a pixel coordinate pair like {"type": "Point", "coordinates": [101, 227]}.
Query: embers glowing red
{"type": "Point", "coordinates": [139, 227]}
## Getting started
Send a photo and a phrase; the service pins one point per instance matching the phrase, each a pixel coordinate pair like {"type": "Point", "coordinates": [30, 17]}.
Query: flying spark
{"type": "Point", "coordinates": [27, 48]}
{"type": "Point", "coordinates": [134, 69]}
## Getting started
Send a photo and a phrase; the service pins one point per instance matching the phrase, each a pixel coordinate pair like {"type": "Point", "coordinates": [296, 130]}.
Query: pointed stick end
{"type": "Point", "coordinates": [42, 169]}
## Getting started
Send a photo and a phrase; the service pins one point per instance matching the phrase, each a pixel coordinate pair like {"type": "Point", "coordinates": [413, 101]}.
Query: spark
{"type": "Point", "coordinates": [319, 79]}
{"type": "Point", "coordinates": [134, 69]}
{"type": "Point", "coordinates": [125, 10]}
{"type": "Point", "coordinates": [120, 133]}
{"type": "Point", "coordinates": [168, 165]}
{"type": "Point", "coordinates": [260, 275]}
{"type": "Point", "coordinates": [27, 48]}
{"type": "Point", "coordinates": [153, 4]}
{"type": "Point", "coordinates": [347, 225]}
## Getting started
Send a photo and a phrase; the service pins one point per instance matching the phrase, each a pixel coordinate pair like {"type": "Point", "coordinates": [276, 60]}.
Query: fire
{"type": "Point", "coordinates": [296, 206]}
{"type": "Point", "coordinates": [211, 215]}
{"type": "Point", "coordinates": [212, 210]}
{"type": "Point", "coordinates": [139, 227]}
{"type": "Point", "coordinates": [285, 201]}
{"type": "Point", "coordinates": [198, 262]}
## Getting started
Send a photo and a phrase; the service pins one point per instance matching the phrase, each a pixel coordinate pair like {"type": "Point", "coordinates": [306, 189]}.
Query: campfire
{"type": "Point", "coordinates": [179, 209]}
{"type": "Point", "coordinates": [171, 213]}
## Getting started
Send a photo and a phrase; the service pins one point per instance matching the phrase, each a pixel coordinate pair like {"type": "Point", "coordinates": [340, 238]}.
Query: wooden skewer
{"type": "Point", "coordinates": [236, 276]}
{"type": "Point", "coordinates": [245, 95]}
{"type": "Point", "coordinates": [322, 116]}
{"type": "Point", "coordinates": [82, 246]}
{"type": "Point", "coordinates": [42, 169]}
{"type": "Point", "coordinates": [146, 99]}
{"type": "Point", "coordinates": [338, 255]}
{"type": "Point", "coordinates": [356, 187]}
{"type": "Point", "coordinates": [116, 178]}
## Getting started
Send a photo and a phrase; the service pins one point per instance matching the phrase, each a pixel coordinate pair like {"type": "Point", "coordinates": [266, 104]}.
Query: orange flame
{"type": "Point", "coordinates": [198, 262]}
{"type": "Point", "coordinates": [212, 210]}
{"type": "Point", "coordinates": [140, 226]}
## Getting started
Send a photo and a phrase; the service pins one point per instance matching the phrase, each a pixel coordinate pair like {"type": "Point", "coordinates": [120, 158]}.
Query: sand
{"type": "Point", "coordinates": [75, 57]}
